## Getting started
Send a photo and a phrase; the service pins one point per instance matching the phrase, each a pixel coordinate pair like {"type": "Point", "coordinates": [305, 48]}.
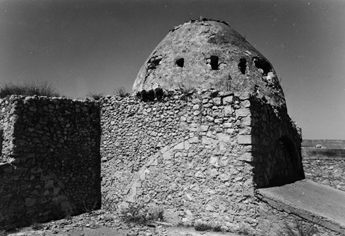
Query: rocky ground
{"type": "Point", "coordinates": [103, 223]}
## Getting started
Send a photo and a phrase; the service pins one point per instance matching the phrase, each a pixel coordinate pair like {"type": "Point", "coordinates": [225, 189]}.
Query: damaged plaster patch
{"type": "Point", "coordinates": [154, 62]}
{"type": "Point", "coordinates": [263, 65]}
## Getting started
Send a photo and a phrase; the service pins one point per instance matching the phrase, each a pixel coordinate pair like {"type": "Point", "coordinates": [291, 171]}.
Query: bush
{"type": "Point", "coordinates": [200, 225]}
{"type": "Point", "coordinates": [37, 226]}
{"type": "Point", "coordinates": [186, 91]}
{"type": "Point", "coordinates": [95, 96]}
{"type": "Point", "coordinates": [299, 229]}
{"type": "Point", "coordinates": [138, 213]}
{"type": "Point", "coordinates": [28, 89]}
{"type": "Point", "coordinates": [121, 92]}
{"type": "Point", "coordinates": [133, 213]}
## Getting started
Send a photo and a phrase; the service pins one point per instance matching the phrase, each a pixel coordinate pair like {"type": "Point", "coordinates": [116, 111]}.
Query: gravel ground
{"type": "Point", "coordinates": [102, 223]}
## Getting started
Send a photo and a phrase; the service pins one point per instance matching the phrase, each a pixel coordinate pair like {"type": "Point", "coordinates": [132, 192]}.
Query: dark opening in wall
{"type": "Point", "coordinates": [214, 62]}
{"type": "Point", "coordinates": [290, 158]}
{"type": "Point", "coordinates": [147, 95]}
{"type": "Point", "coordinates": [242, 65]}
{"type": "Point", "coordinates": [151, 95]}
{"type": "Point", "coordinates": [159, 93]}
{"type": "Point", "coordinates": [262, 64]}
{"type": "Point", "coordinates": [180, 62]}
{"type": "Point", "coordinates": [143, 95]}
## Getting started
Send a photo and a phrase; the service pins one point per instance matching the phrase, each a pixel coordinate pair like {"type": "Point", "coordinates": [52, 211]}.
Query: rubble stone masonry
{"type": "Point", "coordinates": [200, 157]}
{"type": "Point", "coordinates": [50, 160]}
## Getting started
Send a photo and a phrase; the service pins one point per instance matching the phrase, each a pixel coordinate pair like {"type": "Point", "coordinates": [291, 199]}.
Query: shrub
{"type": "Point", "coordinates": [37, 226]}
{"type": "Point", "coordinates": [28, 89]}
{"type": "Point", "coordinates": [186, 91]}
{"type": "Point", "coordinates": [95, 96]}
{"type": "Point", "coordinates": [200, 225]}
{"type": "Point", "coordinates": [154, 213]}
{"type": "Point", "coordinates": [133, 213]}
{"type": "Point", "coordinates": [138, 213]}
{"type": "Point", "coordinates": [299, 229]}
{"type": "Point", "coordinates": [121, 92]}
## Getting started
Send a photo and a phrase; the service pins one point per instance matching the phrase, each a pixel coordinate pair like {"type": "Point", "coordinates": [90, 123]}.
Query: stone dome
{"type": "Point", "coordinates": [209, 54]}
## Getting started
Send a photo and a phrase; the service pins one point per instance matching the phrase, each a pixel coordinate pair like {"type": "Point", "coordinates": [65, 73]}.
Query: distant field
{"type": "Point", "coordinates": [326, 143]}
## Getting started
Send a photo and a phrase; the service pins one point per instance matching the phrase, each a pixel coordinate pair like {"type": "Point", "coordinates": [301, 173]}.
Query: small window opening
{"type": "Point", "coordinates": [214, 63]}
{"type": "Point", "coordinates": [180, 62]}
{"type": "Point", "coordinates": [144, 96]}
{"type": "Point", "coordinates": [262, 64]}
{"type": "Point", "coordinates": [147, 95]}
{"type": "Point", "coordinates": [242, 65]}
{"type": "Point", "coordinates": [151, 95]}
{"type": "Point", "coordinates": [159, 93]}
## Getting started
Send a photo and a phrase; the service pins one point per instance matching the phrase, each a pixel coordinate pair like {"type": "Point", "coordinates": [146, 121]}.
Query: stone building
{"type": "Point", "coordinates": [208, 125]}
{"type": "Point", "coordinates": [203, 135]}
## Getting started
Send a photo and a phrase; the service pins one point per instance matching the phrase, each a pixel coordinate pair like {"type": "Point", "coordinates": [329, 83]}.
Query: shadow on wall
{"type": "Point", "coordinates": [1, 140]}
{"type": "Point", "coordinates": [276, 146]}
{"type": "Point", "coordinates": [55, 159]}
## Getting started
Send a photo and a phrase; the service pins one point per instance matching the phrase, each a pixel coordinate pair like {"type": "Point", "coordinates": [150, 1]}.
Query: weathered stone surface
{"type": "Point", "coordinates": [207, 54]}
{"type": "Point", "coordinates": [219, 166]}
{"type": "Point", "coordinates": [51, 149]}
{"type": "Point", "coordinates": [245, 139]}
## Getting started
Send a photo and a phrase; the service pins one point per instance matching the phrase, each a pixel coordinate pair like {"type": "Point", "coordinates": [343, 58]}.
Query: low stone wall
{"type": "Point", "coordinates": [325, 166]}
{"type": "Point", "coordinates": [50, 159]}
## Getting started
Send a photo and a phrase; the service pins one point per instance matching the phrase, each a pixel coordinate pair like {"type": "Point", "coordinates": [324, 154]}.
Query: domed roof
{"type": "Point", "coordinates": [208, 54]}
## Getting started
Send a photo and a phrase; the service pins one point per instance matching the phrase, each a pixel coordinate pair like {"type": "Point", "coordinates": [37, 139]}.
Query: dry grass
{"type": "Point", "coordinates": [28, 89]}
{"type": "Point", "coordinates": [95, 96]}
{"type": "Point", "coordinates": [299, 229]}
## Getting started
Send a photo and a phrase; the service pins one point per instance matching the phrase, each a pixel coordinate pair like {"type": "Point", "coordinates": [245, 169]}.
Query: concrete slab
{"type": "Point", "coordinates": [318, 203]}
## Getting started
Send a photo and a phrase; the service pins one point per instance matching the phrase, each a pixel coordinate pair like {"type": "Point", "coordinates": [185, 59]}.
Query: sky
{"type": "Point", "coordinates": [83, 46]}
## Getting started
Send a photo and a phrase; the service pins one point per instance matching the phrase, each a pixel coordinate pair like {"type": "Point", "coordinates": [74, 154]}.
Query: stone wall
{"type": "Point", "coordinates": [198, 156]}
{"type": "Point", "coordinates": [182, 155]}
{"type": "Point", "coordinates": [7, 120]}
{"type": "Point", "coordinates": [50, 158]}
{"type": "Point", "coordinates": [325, 166]}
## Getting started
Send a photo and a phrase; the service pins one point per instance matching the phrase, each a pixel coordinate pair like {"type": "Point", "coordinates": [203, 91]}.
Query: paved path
{"type": "Point", "coordinates": [319, 203]}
